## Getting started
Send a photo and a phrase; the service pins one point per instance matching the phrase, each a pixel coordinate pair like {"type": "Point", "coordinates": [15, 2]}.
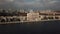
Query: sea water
{"type": "Point", "coordinates": [39, 27]}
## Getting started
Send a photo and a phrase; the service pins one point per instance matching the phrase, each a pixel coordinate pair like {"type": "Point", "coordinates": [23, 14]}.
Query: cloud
{"type": "Point", "coordinates": [32, 3]}
{"type": "Point", "coordinates": [9, 0]}
{"type": "Point", "coordinates": [5, 1]}
{"type": "Point", "coordinates": [37, 3]}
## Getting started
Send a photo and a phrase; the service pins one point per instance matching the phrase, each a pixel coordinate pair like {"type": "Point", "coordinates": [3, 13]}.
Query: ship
{"type": "Point", "coordinates": [29, 17]}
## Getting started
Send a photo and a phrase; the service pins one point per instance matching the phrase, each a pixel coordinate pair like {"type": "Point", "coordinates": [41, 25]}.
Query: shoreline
{"type": "Point", "coordinates": [27, 22]}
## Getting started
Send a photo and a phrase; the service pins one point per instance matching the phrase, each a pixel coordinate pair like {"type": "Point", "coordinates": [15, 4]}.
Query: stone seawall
{"type": "Point", "coordinates": [27, 22]}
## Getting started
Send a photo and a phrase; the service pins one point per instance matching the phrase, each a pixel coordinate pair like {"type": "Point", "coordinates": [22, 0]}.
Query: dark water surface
{"type": "Point", "coordinates": [40, 27]}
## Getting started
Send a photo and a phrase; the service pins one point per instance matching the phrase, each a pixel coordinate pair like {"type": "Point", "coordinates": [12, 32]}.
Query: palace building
{"type": "Point", "coordinates": [31, 16]}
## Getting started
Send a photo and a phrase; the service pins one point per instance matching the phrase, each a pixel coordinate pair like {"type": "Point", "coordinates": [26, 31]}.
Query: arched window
{"type": "Point", "coordinates": [56, 17]}
{"type": "Point", "coordinates": [50, 17]}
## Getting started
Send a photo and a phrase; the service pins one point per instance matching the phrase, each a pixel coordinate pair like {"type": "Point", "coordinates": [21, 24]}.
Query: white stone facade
{"type": "Point", "coordinates": [32, 16]}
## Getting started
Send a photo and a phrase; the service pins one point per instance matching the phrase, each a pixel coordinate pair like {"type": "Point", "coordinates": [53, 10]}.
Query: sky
{"type": "Point", "coordinates": [41, 4]}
